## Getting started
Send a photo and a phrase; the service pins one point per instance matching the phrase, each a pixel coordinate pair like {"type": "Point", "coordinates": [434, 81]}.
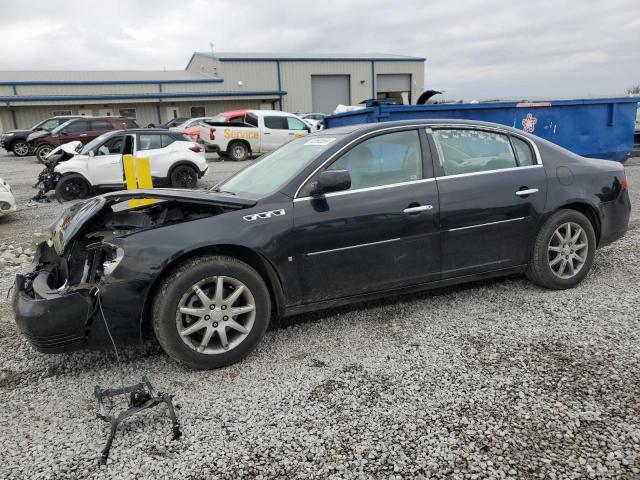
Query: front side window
{"type": "Point", "coordinates": [276, 123]}
{"type": "Point", "coordinates": [470, 151]}
{"type": "Point", "coordinates": [295, 124]}
{"type": "Point", "coordinates": [149, 142]}
{"type": "Point", "coordinates": [383, 160]}
{"type": "Point", "coordinates": [77, 126]}
{"type": "Point", "coordinates": [112, 146]}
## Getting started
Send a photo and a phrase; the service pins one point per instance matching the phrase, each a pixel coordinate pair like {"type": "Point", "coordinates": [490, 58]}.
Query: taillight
{"type": "Point", "coordinates": [196, 148]}
{"type": "Point", "coordinates": [625, 183]}
{"type": "Point", "coordinates": [212, 134]}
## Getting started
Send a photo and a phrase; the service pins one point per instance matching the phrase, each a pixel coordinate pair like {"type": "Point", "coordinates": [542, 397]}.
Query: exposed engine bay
{"type": "Point", "coordinates": [91, 256]}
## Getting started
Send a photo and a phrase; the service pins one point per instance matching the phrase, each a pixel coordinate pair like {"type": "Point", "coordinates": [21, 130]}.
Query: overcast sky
{"type": "Point", "coordinates": [474, 48]}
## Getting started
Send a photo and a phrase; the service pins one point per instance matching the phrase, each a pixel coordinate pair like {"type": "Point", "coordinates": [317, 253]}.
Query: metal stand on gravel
{"type": "Point", "coordinates": [141, 397]}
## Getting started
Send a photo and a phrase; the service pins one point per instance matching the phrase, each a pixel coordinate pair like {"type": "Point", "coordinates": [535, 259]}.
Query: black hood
{"type": "Point", "coordinates": [72, 221]}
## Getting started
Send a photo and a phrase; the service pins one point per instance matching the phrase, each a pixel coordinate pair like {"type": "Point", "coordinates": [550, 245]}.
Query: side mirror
{"type": "Point", "coordinates": [331, 181]}
{"type": "Point", "coordinates": [307, 128]}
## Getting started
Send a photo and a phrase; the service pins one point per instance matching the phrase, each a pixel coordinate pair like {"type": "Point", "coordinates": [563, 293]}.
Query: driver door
{"type": "Point", "coordinates": [105, 166]}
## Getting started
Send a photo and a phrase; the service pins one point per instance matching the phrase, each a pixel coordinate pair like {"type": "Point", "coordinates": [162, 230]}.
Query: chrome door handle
{"type": "Point", "coordinates": [421, 208]}
{"type": "Point", "coordinates": [524, 193]}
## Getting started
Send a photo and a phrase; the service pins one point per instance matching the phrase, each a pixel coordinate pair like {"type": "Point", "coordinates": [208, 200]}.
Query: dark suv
{"type": "Point", "coordinates": [83, 129]}
{"type": "Point", "coordinates": [16, 141]}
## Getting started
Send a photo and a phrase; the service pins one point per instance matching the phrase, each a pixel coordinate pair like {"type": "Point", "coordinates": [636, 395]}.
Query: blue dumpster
{"type": "Point", "coordinates": [600, 128]}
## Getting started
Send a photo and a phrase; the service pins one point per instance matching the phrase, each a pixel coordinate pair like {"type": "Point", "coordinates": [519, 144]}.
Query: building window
{"type": "Point", "coordinates": [60, 113]}
{"type": "Point", "coordinates": [128, 112]}
{"type": "Point", "coordinates": [197, 112]}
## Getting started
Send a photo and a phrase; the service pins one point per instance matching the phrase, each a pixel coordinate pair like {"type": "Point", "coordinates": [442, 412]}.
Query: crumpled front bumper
{"type": "Point", "coordinates": [52, 321]}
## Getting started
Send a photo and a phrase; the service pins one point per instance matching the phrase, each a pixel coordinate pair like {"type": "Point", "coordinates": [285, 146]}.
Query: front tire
{"type": "Point", "coordinates": [20, 148]}
{"type": "Point", "coordinates": [563, 251]}
{"type": "Point", "coordinates": [211, 312]}
{"type": "Point", "coordinates": [184, 176]}
{"type": "Point", "coordinates": [238, 151]}
{"type": "Point", "coordinates": [72, 187]}
{"type": "Point", "coordinates": [42, 151]}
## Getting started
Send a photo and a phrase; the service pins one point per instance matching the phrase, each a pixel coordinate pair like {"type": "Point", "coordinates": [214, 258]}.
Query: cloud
{"type": "Point", "coordinates": [475, 48]}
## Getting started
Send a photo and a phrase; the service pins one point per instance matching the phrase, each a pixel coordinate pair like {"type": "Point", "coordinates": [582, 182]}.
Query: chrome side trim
{"type": "Point", "coordinates": [495, 129]}
{"type": "Point", "coordinates": [367, 189]}
{"type": "Point", "coordinates": [486, 224]}
{"type": "Point", "coordinates": [310, 254]}
{"type": "Point", "coordinates": [425, 126]}
{"type": "Point", "coordinates": [471, 174]}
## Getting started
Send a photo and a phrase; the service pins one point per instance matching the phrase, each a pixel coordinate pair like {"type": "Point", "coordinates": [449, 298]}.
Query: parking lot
{"type": "Point", "coordinates": [490, 380]}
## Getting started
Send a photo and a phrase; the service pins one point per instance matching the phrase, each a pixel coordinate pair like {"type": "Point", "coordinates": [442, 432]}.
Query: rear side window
{"type": "Point", "coordinates": [149, 142]}
{"type": "Point", "coordinates": [101, 125]}
{"type": "Point", "coordinates": [523, 152]}
{"type": "Point", "coordinates": [383, 160]}
{"type": "Point", "coordinates": [276, 123]}
{"type": "Point", "coordinates": [470, 151]}
{"type": "Point", "coordinates": [251, 119]}
{"type": "Point", "coordinates": [77, 126]}
{"type": "Point", "coordinates": [166, 140]}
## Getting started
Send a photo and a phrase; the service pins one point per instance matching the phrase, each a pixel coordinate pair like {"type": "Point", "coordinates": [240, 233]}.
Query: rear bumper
{"type": "Point", "coordinates": [615, 219]}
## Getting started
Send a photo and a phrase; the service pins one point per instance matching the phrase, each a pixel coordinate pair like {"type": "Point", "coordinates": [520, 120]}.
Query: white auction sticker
{"type": "Point", "coordinates": [319, 141]}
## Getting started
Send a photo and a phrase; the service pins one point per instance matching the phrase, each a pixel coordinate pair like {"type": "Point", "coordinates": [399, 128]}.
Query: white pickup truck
{"type": "Point", "coordinates": [241, 133]}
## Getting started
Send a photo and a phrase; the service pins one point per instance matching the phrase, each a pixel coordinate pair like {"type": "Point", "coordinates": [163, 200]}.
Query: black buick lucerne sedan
{"type": "Point", "coordinates": [339, 216]}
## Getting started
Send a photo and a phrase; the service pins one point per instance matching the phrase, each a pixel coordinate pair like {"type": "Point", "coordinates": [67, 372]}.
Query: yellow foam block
{"type": "Point", "coordinates": [137, 174]}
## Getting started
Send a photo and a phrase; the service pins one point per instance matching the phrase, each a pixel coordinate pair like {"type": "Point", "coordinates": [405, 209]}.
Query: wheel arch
{"type": "Point", "coordinates": [588, 211]}
{"type": "Point", "coordinates": [235, 140]}
{"type": "Point", "coordinates": [75, 173]}
{"type": "Point", "coordinates": [256, 261]}
{"type": "Point", "coordinates": [180, 163]}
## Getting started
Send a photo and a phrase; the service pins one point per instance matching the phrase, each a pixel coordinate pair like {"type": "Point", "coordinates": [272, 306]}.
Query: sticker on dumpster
{"type": "Point", "coordinates": [529, 123]}
{"type": "Point", "coordinates": [319, 141]}
{"type": "Point", "coordinates": [532, 104]}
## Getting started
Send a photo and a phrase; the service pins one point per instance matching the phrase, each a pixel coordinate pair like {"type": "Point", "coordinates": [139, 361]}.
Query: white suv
{"type": "Point", "coordinates": [175, 161]}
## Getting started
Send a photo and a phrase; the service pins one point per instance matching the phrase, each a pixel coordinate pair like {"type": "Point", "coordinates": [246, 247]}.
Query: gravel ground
{"type": "Point", "coordinates": [497, 379]}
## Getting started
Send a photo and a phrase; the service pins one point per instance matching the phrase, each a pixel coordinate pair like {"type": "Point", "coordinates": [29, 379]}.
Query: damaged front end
{"type": "Point", "coordinates": [55, 302]}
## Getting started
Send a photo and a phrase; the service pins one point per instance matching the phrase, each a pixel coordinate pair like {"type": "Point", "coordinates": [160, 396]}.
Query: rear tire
{"type": "Point", "coordinates": [184, 176]}
{"type": "Point", "coordinates": [238, 151]}
{"type": "Point", "coordinates": [42, 151]}
{"type": "Point", "coordinates": [193, 286]}
{"type": "Point", "coordinates": [20, 148]}
{"type": "Point", "coordinates": [563, 251]}
{"type": "Point", "coordinates": [72, 187]}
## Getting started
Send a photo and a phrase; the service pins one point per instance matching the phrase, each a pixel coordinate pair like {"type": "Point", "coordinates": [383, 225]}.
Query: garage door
{"type": "Point", "coordinates": [393, 82]}
{"type": "Point", "coordinates": [327, 91]}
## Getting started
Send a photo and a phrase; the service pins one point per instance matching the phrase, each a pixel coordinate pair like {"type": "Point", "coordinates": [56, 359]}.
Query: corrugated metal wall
{"type": "Point", "coordinates": [296, 81]}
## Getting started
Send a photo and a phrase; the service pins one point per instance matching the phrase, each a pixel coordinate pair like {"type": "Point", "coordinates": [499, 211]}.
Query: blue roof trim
{"type": "Point", "coordinates": [109, 82]}
{"type": "Point", "coordinates": [308, 59]}
{"type": "Point", "coordinates": [139, 96]}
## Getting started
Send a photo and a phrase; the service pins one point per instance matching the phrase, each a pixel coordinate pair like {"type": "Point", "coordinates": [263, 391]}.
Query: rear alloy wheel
{"type": "Point", "coordinates": [238, 151]}
{"type": "Point", "coordinates": [72, 187]}
{"type": "Point", "coordinates": [20, 148]}
{"type": "Point", "coordinates": [563, 251]}
{"type": "Point", "coordinates": [211, 312]}
{"type": "Point", "coordinates": [42, 151]}
{"type": "Point", "coordinates": [184, 176]}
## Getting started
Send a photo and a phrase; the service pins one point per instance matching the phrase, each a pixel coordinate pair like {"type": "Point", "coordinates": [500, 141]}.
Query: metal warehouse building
{"type": "Point", "coordinates": [211, 83]}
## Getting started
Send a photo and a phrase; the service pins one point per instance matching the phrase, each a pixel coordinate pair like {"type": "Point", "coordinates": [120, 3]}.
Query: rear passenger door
{"type": "Point", "coordinates": [492, 194]}
{"type": "Point", "coordinates": [150, 146]}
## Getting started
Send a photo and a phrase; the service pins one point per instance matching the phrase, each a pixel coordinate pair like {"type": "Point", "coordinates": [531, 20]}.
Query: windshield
{"type": "Point", "coordinates": [95, 143]}
{"type": "Point", "coordinates": [274, 170]}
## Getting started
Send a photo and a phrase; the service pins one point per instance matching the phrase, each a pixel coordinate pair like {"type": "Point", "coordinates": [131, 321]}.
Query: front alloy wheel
{"type": "Point", "coordinates": [215, 315]}
{"type": "Point", "coordinates": [211, 311]}
{"type": "Point", "coordinates": [20, 148]}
